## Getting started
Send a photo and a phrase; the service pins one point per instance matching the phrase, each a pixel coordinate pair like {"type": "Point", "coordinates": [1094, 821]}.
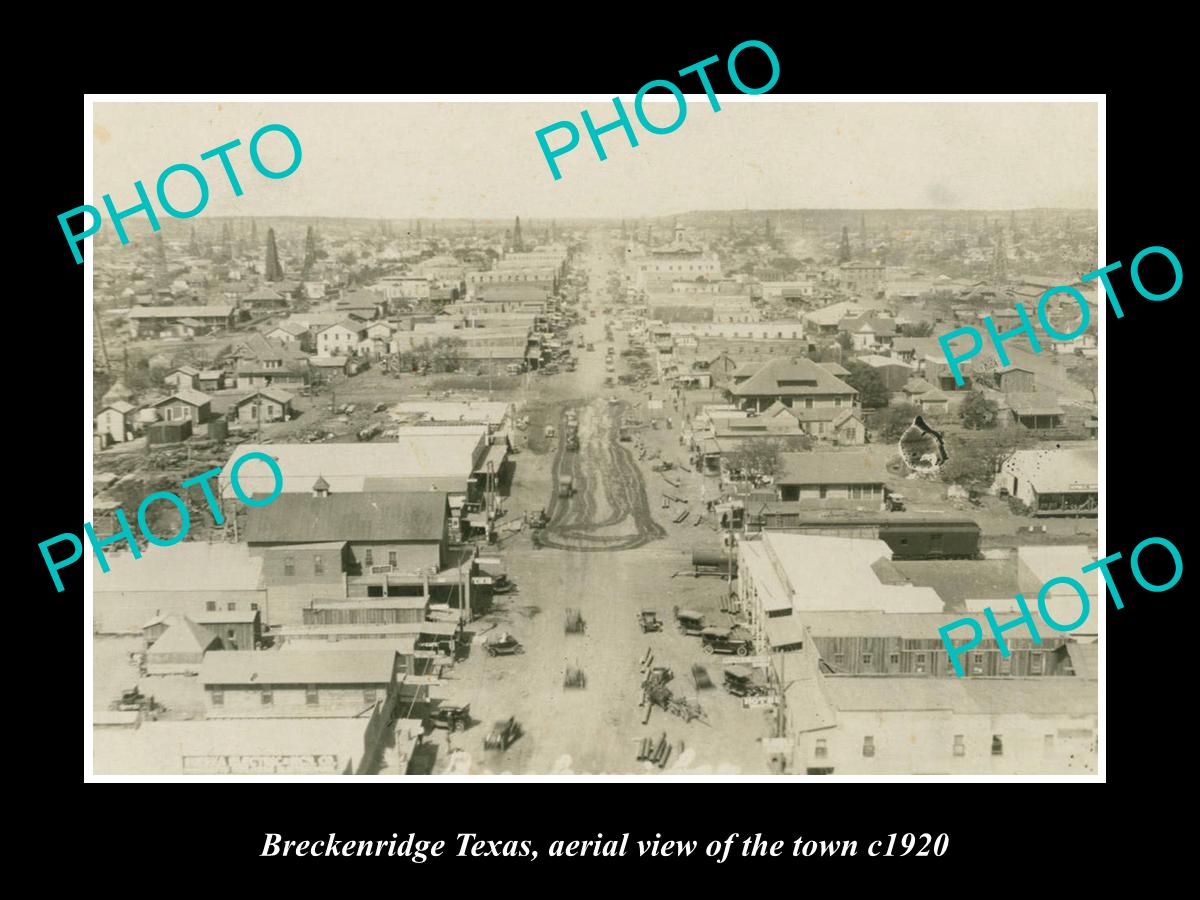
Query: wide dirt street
{"type": "Point", "coordinates": [608, 552]}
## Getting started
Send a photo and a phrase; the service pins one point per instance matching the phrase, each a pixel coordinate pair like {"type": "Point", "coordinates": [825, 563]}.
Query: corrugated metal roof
{"type": "Point", "coordinates": [300, 518]}
{"type": "Point", "coordinates": [356, 666]}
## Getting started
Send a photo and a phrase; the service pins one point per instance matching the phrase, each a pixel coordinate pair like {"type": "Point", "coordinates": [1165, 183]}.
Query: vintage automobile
{"type": "Point", "coordinates": [689, 621]}
{"type": "Point", "coordinates": [649, 621]}
{"type": "Point", "coordinates": [503, 734]}
{"type": "Point", "coordinates": [744, 681]}
{"type": "Point", "coordinates": [566, 486]}
{"type": "Point", "coordinates": [502, 584]}
{"type": "Point", "coordinates": [725, 640]}
{"type": "Point", "coordinates": [503, 644]}
{"type": "Point", "coordinates": [451, 716]}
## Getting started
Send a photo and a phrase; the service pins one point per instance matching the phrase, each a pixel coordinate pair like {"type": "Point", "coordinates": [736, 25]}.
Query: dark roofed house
{"type": "Point", "coordinates": [182, 405]}
{"type": "Point", "coordinates": [848, 478]}
{"type": "Point", "coordinates": [404, 532]}
{"type": "Point", "coordinates": [269, 404]}
{"type": "Point", "coordinates": [1015, 379]}
{"type": "Point", "coordinates": [794, 383]}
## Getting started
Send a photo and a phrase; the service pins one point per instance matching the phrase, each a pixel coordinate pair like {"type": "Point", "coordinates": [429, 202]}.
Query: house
{"type": "Point", "coordinates": [340, 339]}
{"type": "Point", "coordinates": [166, 320]}
{"type": "Point", "coordinates": [1015, 379]}
{"type": "Point", "coordinates": [181, 647]}
{"type": "Point", "coordinates": [291, 334]}
{"type": "Point", "coordinates": [933, 403]}
{"type": "Point", "coordinates": [183, 378]}
{"type": "Point", "coordinates": [264, 300]}
{"type": "Point", "coordinates": [325, 368]}
{"type": "Point", "coordinates": [797, 383]}
{"type": "Point", "coordinates": [116, 420]}
{"type": "Point", "coordinates": [265, 405]}
{"type": "Point", "coordinates": [191, 405]}
{"type": "Point", "coordinates": [869, 332]}
{"type": "Point", "coordinates": [849, 429]}
{"type": "Point", "coordinates": [407, 532]}
{"type": "Point", "coordinates": [1039, 409]}
{"type": "Point", "coordinates": [299, 683]}
{"type": "Point", "coordinates": [831, 479]}
{"type": "Point", "coordinates": [210, 380]}
{"type": "Point", "coordinates": [1054, 481]}
{"type": "Point", "coordinates": [937, 372]}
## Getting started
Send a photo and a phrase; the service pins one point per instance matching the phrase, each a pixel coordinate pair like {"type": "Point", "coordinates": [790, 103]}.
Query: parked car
{"type": "Point", "coordinates": [649, 621]}
{"type": "Point", "coordinates": [744, 681]}
{"type": "Point", "coordinates": [451, 717]}
{"type": "Point", "coordinates": [688, 621]}
{"type": "Point", "coordinates": [503, 644]}
{"type": "Point", "coordinates": [725, 640]}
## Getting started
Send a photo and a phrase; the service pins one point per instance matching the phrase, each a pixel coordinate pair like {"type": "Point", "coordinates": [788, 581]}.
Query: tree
{"type": "Point", "coordinates": [978, 411]}
{"type": "Point", "coordinates": [919, 329]}
{"type": "Point", "coordinates": [274, 269]}
{"type": "Point", "coordinates": [975, 460]}
{"type": "Point", "coordinates": [757, 456]}
{"type": "Point", "coordinates": [892, 422]}
{"type": "Point", "coordinates": [872, 391]}
{"type": "Point", "coordinates": [845, 341]}
{"type": "Point", "coordinates": [1085, 373]}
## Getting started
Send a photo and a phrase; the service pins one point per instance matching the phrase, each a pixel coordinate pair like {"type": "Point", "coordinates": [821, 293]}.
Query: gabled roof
{"type": "Point", "coordinates": [184, 370]}
{"type": "Point", "coordinates": [270, 393]}
{"type": "Point", "coordinates": [293, 328]}
{"type": "Point", "coordinates": [348, 324]}
{"type": "Point", "coordinates": [302, 518]}
{"type": "Point", "coordinates": [766, 381]}
{"type": "Point", "coordinates": [916, 385]}
{"type": "Point", "coordinates": [120, 406]}
{"type": "Point", "coordinates": [830, 468]}
{"type": "Point", "coordinates": [195, 398]}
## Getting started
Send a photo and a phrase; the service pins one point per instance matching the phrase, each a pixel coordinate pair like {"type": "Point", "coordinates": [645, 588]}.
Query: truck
{"type": "Point", "coordinates": [566, 486]}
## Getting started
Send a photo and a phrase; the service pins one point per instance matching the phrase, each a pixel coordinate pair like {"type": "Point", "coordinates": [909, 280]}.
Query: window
{"type": "Point", "coordinates": [231, 606]}
{"type": "Point", "coordinates": [368, 557]}
{"type": "Point", "coordinates": [318, 565]}
{"type": "Point", "coordinates": [894, 659]}
{"type": "Point", "coordinates": [210, 606]}
{"type": "Point", "coordinates": [839, 658]}
{"type": "Point", "coordinates": [310, 695]}
{"type": "Point", "coordinates": [368, 695]}
{"type": "Point", "coordinates": [997, 745]}
{"type": "Point", "coordinates": [976, 663]}
{"type": "Point", "coordinates": [821, 750]}
{"type": "Point", "coordinates": [960, 747]}
{"type": "Point", "coordinates": [253, 607]}
{"type": "Point", "coordinates": [217, 695]}
{"type": "Point", "coordinates": [868, 745]}
{"type": "Point", "coordinates": [267, 695]}
{"type": "Point", "coordinates": [393, 561]}
{"type": "Point", "coordinates": [1006, 666]}
{"type": "Point", "coordinates": [866, 659]}
{"type": "Point", "coordinates": [920, 663]}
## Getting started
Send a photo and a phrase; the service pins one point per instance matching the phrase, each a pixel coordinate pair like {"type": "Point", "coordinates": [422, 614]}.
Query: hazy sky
{"type": "Point", "coordinates": [454, 160]}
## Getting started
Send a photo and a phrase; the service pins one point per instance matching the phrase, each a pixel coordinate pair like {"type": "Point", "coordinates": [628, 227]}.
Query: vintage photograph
{"type": "Point", "coordinates": [654, 469]}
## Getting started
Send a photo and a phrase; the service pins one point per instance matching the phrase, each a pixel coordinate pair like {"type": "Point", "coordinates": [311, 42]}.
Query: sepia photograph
{"type": "Point", "coordinates": [486, 437]}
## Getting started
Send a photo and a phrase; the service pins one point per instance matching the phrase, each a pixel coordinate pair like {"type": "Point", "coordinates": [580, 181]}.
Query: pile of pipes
{"type": "Point", "coordinates": [656, 752]}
